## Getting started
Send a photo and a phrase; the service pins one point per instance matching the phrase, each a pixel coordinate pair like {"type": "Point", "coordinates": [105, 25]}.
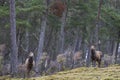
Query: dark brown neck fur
{"type": "Point", "coordinates": [92, 52]}
{"type": "Point", "coordinates": [30, 63]}
{"type": "Point", "coordinates": [93, 56]}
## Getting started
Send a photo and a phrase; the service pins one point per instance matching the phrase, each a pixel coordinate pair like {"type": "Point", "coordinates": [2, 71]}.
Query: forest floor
{"type": "Point", "coordinates": [82, 73]}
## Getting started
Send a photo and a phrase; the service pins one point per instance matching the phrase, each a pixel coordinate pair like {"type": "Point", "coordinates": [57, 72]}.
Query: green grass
{"type": "Point", "coordinates": [83, 73]}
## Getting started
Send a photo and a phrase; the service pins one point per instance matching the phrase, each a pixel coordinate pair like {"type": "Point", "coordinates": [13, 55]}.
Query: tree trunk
{"type": "Point", "coordinates": [26, 49]}
{"type": "Point", "coordinates": [114, 56]}
{"type": "Point", "coordinates": [14, 48]}
{"type": "Point", "coordinates": [41, 39]}
{"type": "Point", "coordinates": [116, 47]}
{"type": "Point", "coordinates": [97, 25]}
{"type": "Point", "coordinates": [27, 40]}
{"type": "Point", "coordinates": [116, 52]}
{"type": "Point", "coordinates": [77, 44]}
{"type": "Point", "coordinates": [88, 52]}
{"type": "Point", "coordinates": [87, 57]}
{"type": "Point", "coordinates": [62, 34]}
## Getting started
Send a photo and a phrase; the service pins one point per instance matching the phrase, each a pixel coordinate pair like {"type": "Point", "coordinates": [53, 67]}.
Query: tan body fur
{"type": "Point", "coordinates": [96, 56]}
{"type": "Point", "coordinates": [77, 56]}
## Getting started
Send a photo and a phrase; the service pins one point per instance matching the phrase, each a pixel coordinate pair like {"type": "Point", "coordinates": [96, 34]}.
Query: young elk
{"type": "Point", "coordinates": [96, 55]}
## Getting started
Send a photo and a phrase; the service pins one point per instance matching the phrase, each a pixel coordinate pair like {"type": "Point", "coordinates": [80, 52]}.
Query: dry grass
{"type": "Point", "coordinates": [83, 73]}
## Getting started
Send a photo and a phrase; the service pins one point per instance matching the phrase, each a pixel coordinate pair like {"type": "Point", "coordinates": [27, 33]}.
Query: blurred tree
{"type": "Point", "coordinates": [41, 38]}
{"type": "Point", "coordinates": [14, 48]}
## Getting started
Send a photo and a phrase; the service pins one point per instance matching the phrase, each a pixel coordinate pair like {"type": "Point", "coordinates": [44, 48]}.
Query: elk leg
{"type": "Point", "coordinates": [93, 63]}
{"type": "Point", "coordinates": [99, 63]}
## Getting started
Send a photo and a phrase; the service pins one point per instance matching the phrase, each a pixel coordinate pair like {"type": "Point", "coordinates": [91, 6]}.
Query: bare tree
{"type": "Point", "coordinates": [41, 39]}
{"type": "Point", "coordinates": [14, 49]}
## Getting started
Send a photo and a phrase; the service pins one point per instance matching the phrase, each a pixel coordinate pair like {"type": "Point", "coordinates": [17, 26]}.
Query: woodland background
{"type": "Point", "coordinates": [55, 30]}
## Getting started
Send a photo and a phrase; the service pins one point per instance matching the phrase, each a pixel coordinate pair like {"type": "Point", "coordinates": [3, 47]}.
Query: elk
{"type": "Point", "coordinates": [96, 55]}
{"type": "Point", "coordinates": [77, 56]}
{"type": "Point", "coordinates": [28, 65]}
{"type": "Point", "coordinates": [61, 59]}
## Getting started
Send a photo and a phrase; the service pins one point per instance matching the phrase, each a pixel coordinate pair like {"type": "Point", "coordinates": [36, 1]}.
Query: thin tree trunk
{"type": "Point", "coordinates": [62, 34]}
{"type": "Point", "coordinates": [14, 48]}
{"type": "Point", "coordinates": [88, 53]}
{"type": "Point", "coordinates": [78, 42]}
{"type": "Point", "coordinates": [87, 57]}
{"type": "Point", "coordinates": [115, 52]}
{"type": "Point", "coordinates": [111, 47]}
{"type": "Point", "coordinates": [97, 25]}
{"type": "Point", "coordinates": [26, 43]}
{"type": "Point", "coordinates": [41, 39]}
{"type": "Point", "coordinates": [27, 40]}
{"type": "Point", "coordinates": [108, 46]}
